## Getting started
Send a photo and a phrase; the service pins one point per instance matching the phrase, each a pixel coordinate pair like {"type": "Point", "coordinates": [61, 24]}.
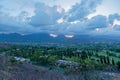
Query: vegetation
{"type": "Point", "coordinates": [95, 56]}
{"type": "Point", "coordinates": [13, 60]}
{"type": "Point", "coordinates": [79, 59]}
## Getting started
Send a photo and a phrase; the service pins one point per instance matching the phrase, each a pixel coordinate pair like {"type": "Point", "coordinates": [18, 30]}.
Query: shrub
{"type": "Point", "coordinates": [21, 62]}
{"type": "Point", "coordinates": [13, 60]}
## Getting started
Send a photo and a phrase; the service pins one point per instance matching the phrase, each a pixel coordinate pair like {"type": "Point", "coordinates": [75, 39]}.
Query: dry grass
{"type": "Point", "coordinates": [27, 71]}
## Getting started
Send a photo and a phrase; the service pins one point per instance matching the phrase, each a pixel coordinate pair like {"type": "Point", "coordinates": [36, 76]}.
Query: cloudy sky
{"type": "Point", "coordinates": [94, 17]}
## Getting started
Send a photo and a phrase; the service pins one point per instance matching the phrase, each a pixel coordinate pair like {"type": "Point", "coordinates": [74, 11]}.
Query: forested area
{"type": "Point", "coordinates": [97, 56]}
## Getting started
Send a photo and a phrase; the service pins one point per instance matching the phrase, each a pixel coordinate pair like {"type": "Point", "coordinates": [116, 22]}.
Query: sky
{"type": "Point", "coordinates": [68, 17]}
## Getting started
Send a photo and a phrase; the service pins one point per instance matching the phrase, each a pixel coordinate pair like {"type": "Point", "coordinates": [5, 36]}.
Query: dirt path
{"type": "Point", "coordinates": [117, 78]}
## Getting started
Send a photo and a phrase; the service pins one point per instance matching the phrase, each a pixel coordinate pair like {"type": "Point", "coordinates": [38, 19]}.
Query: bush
{"type": "Point", "coordinates": [21, 62]}
{"type": "Point", "coordinates": [13, 60]}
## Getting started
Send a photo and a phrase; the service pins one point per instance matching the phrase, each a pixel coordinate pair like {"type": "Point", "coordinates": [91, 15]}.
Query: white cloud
{"type": "Point", "coordinates": [69, 36]}
{"type": "Point", "coordinates": [113, 17]}
{"type": "Point", "coordinates": [45, 15]}
{"type": "Point", "coordinates": [81, 10]}
{"type": "Point", "coordinates": [61, 20]}
{"type": "Point", "coordinates": [116, 22]}
{"type": "Point", "coordinates": [98, 21]}
{"type": "Point", "coordinates": [53, 35]}
{"type": "Point", "coordinates": [40, 17]}
{"type": "Point", "coordinates": [75, 22]}
{"type": "Point", "coordinates": [117, 27]}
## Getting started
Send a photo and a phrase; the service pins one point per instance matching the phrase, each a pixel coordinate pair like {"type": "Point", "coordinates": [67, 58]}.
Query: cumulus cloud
{"type": "Point", "coordinates": [113, 17]}
{"type": "Point", "coordinates": [10, 24]}
{"type": "Point", "coordinates": [46, 15]}
{"type": "Point", "coordinates": [117, 27]}
{"type": "Point", "coordinates": [86, 26]}
{"type": "Point", "coordinates": [98, 21]}
{"type": "Point", "coordinates": [53, 19]}
{"type": "Point", "coordinates": [81, 10]}
{"type": "Point", "coordinates": [20, 23]}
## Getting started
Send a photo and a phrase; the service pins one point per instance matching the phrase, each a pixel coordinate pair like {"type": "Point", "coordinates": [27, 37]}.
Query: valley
{"type": "Point", "coordinates": [67, 62]}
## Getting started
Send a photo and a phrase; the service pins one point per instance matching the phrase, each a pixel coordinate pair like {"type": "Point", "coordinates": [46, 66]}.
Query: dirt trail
{"type": "Point", "coordinates": [117, 78]}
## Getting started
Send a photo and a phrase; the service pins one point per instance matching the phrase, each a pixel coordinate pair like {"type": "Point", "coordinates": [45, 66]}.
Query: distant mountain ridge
{"type": "Point", "coordinates": [45, 37]}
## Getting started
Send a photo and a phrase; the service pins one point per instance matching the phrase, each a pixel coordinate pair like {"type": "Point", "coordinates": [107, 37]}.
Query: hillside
{"type": "Point", "coordinates": [45, 38]}
{"type": "Point", "coordinates": [27, 71]}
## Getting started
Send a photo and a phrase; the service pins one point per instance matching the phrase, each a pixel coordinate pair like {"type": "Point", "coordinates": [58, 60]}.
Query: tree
{"type": "Point", "coordinates": [52, 59]}
{"type": "Point", "coordinates": [13, 60]}
{"type": "Point", "coordinates": [108, 60]}
{"type": "Point", "coordinates": [101, 60]}
{"type": "Point", "coordinates": [113, 62]}
{"type": "Point", "coordinates": [118, 64]}
{"type": "Point", "coordinates": [105, 62]}
{"type": "Point", "coordinates": [84, 55]}
{"type": "Point", "coordinates": [43, 60]}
